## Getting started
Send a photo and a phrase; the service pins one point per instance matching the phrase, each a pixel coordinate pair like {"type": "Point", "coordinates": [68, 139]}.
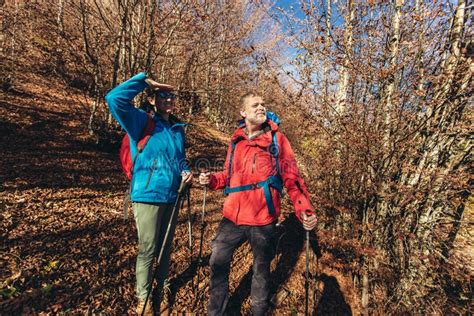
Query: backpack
{"type": "Point", "coordinates": [126, 160]}
{"type": "Point", "coordinates": [125, 154]}
{"type": "Point", "coordinates": [272, 181]}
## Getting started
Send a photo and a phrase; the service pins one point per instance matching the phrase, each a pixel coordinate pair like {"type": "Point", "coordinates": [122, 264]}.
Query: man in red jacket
{"type": "Point", "coordinates": [259, 163]}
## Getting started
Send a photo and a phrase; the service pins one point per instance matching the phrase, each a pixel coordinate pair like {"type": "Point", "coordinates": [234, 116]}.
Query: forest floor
{"type": "Point", "coordinates": [66, 246]}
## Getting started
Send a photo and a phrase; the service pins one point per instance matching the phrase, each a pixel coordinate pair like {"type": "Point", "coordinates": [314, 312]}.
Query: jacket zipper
{"type": "Point", "coordinates": [253, 163]}
{"type": "Point", "coordinates": [149, 175]}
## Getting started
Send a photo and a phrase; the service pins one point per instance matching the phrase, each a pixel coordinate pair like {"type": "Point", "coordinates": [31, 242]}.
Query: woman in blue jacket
{"type": "Point", "coordinates": [157, 173]}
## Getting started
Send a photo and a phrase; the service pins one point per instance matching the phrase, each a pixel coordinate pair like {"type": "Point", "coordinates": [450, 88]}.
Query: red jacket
{"type": "Point", "coordinates": [253, 162]}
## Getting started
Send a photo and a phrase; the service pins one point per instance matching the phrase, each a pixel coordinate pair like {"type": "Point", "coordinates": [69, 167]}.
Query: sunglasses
{"type": "Point", "coordinates": [165, 95]}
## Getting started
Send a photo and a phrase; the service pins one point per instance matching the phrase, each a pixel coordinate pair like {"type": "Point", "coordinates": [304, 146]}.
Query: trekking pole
{"type": "Point", "coordinates": [306, 282]}
{"type": "Point", "coordinates": [190, 231]}
{"type": "Point", "coordinates": [203, 226]}
{"type": "Point", "coordinates": [316, 281]}
{"type": "Point", "coordinates": [183, 186]}
{"type": "Point", "coordinates": [190, 228]}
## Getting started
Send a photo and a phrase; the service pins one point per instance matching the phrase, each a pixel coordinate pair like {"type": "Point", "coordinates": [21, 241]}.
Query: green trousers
{"type": "Point", "coordinates": [152, 221]}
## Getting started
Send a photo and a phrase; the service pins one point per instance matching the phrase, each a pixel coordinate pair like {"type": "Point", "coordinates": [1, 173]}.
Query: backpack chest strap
{"type": "Point", "coordinates": [272, 181]}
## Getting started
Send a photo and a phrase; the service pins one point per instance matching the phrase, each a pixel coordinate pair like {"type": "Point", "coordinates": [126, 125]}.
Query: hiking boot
{"type": "Point", "coordinates": [148, 308]}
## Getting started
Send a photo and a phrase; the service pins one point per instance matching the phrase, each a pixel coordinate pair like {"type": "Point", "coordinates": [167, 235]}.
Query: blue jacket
{"type": "Point", "coordinates": [157, 170]}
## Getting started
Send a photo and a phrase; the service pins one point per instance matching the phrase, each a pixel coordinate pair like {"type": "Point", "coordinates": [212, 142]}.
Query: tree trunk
{"type": "Point", "coordinates": [13, 42]}
{"type": "Point", "coordinates": [365, 292]}
{"type": "Point", "coordinates": [151, 37]}
{"type": "Point", "coordinates": [326, 50]}
{"type": "Point", "coordinates": [394, 42]}
{"type": "Point", "coordinates": [60, 17]}
{"type": "Point", "coordinates": [344, 75]}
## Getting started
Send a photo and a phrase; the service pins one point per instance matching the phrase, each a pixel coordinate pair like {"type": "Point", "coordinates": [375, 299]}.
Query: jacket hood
{"type": "Point", "coordinates": [262, 140]}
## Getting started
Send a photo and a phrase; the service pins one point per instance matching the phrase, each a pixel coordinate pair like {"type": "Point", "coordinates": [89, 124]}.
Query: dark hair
{"type": "Point", "coordinates": [149, 92]}
{"type": "Point", "coordinates": [145, 104]}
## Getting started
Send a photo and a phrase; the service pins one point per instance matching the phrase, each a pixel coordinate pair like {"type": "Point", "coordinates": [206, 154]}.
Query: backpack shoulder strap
{"type": "Point", "coordinates": [149, 127]}
{"type": "Point", "coordinates": [274, 151]}
{"type": "Point", "coordinates": [233, 144]}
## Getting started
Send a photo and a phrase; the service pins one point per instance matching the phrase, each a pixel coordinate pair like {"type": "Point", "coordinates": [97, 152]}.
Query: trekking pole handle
{"type": "Point", "coordinates": [308, 213]}
{"type": "Point", "coordinates": [182, 186]}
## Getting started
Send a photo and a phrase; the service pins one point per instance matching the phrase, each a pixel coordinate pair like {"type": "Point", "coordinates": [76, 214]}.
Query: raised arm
{"type": "Point", "coordinates": [119, 100]}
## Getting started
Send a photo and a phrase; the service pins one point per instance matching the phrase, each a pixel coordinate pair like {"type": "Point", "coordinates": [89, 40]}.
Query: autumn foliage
{"type": "Point", "coordinates": [375, 97]}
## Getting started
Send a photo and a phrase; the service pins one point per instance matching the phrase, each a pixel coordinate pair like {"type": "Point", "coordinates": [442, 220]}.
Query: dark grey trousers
{"type": "Point", "coordinates": [229, 237]}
